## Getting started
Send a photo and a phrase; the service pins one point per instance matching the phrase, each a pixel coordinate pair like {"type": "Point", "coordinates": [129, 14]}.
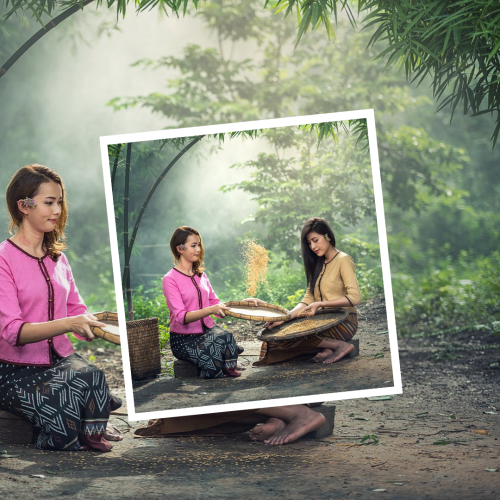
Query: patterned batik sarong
{"type": "Point", "coordinates": [69, 403]}
{"type": "Point", "coordinates": [214, 351]}
{"type": "Point", "coordinates": [273, 352]}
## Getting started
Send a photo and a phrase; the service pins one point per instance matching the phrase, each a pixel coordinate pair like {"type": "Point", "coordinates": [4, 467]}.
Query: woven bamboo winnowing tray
{"type": "Point", "coordinates": [304, 326]}
{"type": "Point", "coordinates": [262, 312]}
{"type": "Point", "coordinates": [110, 332]}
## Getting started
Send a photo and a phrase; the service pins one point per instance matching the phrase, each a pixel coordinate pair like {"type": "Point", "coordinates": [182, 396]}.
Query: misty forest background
{"type": "Point", "coordinates": [92, 77]}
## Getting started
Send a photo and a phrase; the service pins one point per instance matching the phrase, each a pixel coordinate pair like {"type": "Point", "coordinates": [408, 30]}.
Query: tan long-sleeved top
{"type": "Point", "coordinates": [337, 279]}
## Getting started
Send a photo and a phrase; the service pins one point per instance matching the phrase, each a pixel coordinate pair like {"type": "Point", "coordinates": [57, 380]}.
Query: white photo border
{"type": "Point", "coordinates": [367, 114]}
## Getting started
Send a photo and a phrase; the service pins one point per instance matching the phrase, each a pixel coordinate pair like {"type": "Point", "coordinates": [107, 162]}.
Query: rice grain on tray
{"type": "Point", "coordinates": [256, 259]}
{"type": "Point", "coordinates": [302, 326]}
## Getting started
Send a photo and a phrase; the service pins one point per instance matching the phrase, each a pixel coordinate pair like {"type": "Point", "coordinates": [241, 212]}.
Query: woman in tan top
{"type": "Point", "coordinates": [331, 282]}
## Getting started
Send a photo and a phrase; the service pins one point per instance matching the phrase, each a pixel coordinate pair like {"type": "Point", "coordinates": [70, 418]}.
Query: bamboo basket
{"type": "Point", "coordinates": [144, 348]}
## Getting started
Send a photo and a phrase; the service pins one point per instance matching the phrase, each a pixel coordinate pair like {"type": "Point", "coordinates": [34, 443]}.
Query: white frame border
{"type": "Point", "coordinates": [367, 114]}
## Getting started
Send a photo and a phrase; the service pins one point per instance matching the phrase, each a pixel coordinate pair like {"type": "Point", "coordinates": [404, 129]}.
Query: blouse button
{"type": "Point", "coordinates": [48, 279]}
{"type": "Point", "coordinates": [50, 341]}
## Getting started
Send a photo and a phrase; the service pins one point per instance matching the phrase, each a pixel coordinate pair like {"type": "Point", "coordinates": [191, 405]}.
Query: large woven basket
{"type": "Point", "coordinates": [304, 326]}
{"type": "Point", "coordinates": [144, 348]}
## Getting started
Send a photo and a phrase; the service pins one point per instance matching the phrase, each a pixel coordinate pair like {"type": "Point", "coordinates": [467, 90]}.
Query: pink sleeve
{"type": "Point", "coordinates": [175, 303]}
{"type": "Point", "coordinates": [74, 305]}
{"type": "Point", "coordinates": [11, 320]}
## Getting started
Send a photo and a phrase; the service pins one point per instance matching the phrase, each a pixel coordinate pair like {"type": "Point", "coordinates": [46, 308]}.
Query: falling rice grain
{"type": "Point", "coordinates": [256, 259]}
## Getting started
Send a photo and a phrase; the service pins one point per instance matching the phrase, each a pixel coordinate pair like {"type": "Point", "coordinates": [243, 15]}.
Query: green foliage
{"type": "Point", "coordinates": [370, 281]}
{"type": "Point", "coordinates": [41, 8]}
{"type": "Point", "coordinates": [211, 88]}
{"type": "Point", "coordinates": [456, 44]}
{"type": "Point", "coordinates": [333, 183]}
{"type": "Point", "coordinates": [449, 294]}
{"type": "Point", "coordinates": [428, 166]}
{"type": "Point", "coordinates": [151, 304]}
{"type": "Point", "coordinates": [369, 439]}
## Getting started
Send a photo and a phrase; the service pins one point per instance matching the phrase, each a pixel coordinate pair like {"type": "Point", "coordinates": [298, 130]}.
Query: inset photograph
{"type": "Point", "coordinates": [251, 265]}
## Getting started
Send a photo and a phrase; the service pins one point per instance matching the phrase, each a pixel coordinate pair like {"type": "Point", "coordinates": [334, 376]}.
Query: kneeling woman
{"type": "Point", "coordinates": [194, 335]}
{"type": "Point", "coordinates": [331, 282]}
{"type": "Point", "coordinates": [41, 378]}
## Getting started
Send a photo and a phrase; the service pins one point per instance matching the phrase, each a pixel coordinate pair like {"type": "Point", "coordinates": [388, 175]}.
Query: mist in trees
{"type": "Point", "coordinates": [432, 171]}
{"type": "Point", "coordinates": [439, 180]}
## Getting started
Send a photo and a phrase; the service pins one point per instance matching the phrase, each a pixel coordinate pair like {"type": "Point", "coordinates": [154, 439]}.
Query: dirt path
{"type": "Point", "coordinates": [372, 369]}
{"type": "Point", "coordinates": [428, 447]}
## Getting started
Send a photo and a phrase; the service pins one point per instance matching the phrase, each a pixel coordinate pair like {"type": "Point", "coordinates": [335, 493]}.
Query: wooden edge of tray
{"type": "Point", "coordinates": [105, 335]}
{"type": "Point", "coordinates": [246, 303]}
{"type": "Point", "coordinates": [256, 318]}
{"type": "Point", "coordinates": [261, 334]}
{"type": "Point", "coordinates": [106, 315]}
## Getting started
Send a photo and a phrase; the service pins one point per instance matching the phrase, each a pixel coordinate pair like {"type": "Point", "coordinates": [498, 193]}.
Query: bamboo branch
{"type": "Point", "coordinates": [126, 271]}
{"type": "Point", "coordinates": [40, 33]}
{"type": "Point", "coordinates": [115, 166]}
{"type": "Point", "coordinates": [126, 281]}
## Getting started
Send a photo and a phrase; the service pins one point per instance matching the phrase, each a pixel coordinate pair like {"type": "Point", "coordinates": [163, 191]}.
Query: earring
{"type": "Point", "coordinates": [28, 203]}
{"type": "Point", "coordinates": [327, 237]}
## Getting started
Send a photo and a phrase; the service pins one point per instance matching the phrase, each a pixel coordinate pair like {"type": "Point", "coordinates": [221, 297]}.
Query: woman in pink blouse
{"type": "Point", "coordinates": [41, 378]}
{"type": "Point", "coordinates": [194, 335]}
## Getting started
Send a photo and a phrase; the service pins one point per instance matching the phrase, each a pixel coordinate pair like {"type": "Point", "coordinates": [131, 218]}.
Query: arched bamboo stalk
{"type": "Point", "coordinates": [115, 166]}
{"type": "Point", "coordinates": [128, 253]}
{"type": "Point", "coordinates": [40, 33]}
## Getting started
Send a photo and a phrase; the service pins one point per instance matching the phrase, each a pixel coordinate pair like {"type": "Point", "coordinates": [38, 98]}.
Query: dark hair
{"type": "Point", "coordinates": [26, 183]}
{"type": "Point", "coordinates": [179, 237]}
{"type": "Point", "coordinates": [312, 262]}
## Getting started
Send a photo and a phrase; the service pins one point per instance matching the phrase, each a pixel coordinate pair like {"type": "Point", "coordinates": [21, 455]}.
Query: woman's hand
{"type": "Point", "coordinates": [257, 302]}
{"type": "Point", "coordinates": [310, 310]}
{"type": "Point", "coordinates": [218, 310]}
{"type": "Point", "coordinates": [81, 325]}
{"type": "Point", "coordinates": [271, 325]}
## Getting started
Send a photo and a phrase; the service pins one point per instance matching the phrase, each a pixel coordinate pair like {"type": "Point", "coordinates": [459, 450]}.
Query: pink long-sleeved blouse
{"type": "Point", "coordinates": [34, 290]}
{"type": "Point", "coordinates": [185, 294]}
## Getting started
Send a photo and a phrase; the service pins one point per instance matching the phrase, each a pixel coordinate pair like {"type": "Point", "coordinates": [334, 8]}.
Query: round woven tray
{"type": "Point", "coordinates": [110, 332]}
{"type": "Point", "coordinates": [248, 310]}
{"type": "Point", "coordinates": [304, 327]}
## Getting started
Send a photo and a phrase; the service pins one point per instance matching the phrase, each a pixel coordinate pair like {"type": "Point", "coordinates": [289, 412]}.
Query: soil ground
{"type": "Point", "coordinates": [372, 369]}
{"type": "Point", "coordinates": [438, 440]}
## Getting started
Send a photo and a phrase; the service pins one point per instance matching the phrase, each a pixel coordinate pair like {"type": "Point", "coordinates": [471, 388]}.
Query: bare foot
{"type": "Point", "coordinates": [112, 433]}
{"type": "Point", "coordinates": [233, 372]}
{"type": "Point", "coordinates": [305, 421]}
{"type": "Point", "coordinates": [321, 356]}
{"type": "Point", "coordinates": [264, 431]}
{"type": "Point", "coordinates": [343, 350]}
